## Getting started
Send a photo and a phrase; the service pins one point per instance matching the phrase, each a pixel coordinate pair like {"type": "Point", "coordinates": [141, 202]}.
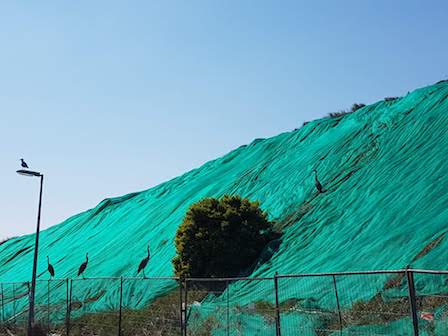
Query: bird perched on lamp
{"type": "Point", "coordinates": [23, 164]}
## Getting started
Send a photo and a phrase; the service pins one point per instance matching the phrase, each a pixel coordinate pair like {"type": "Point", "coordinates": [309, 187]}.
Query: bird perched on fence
{"type": "Point", "coordinates": [83, 266]}
{"type": "Point", "coordinates": [23, 164]}
{"type": "Point", "coordinates": [143, 263]}
{"type": "Point", "coordinates": [50, 268]}
{"type": "Point", "coordinates": [317, 183]}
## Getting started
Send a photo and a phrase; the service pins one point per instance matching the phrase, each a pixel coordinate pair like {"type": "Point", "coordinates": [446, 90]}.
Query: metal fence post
{"type": "Point", "coordinates": [69, 305]}
{"type": "Point", "coordinates": [228, 308]}
{"type": "Point", "coordinates": [337, 302]}
{"type": "Point", "coordinates": [185, 304]}
{"type": "Point", "coordinates": [412, 300]}
{"type": "Point", "coordinates": [66, 306]}
{"type": "Point", "coordinates": [277, 307]}
{"type": "Point", "coordinates": [121, 305]}
{"type": "Point", "coordinates": [48, 305]}
{"type": "Point", "coordinates": [181, 308]}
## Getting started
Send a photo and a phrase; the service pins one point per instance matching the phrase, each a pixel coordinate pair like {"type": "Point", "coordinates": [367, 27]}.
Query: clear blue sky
{"type": "Point", "coordinates": [110, 97]}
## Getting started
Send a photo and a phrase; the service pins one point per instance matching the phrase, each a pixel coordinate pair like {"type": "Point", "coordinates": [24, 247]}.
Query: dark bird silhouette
{"type": "Point", "coordinates": [23, 164]}
{"type": "Point", "coordinates": [83, 266]}
{"type": "Point", "coordinates": [317, 183]}
{"type": "Point", "coordinates": [50, 268]}
{"type": "Point", "coordinates": [143, 263]}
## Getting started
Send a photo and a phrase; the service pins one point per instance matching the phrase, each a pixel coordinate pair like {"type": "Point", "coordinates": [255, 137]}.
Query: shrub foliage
{"type": "Point", "coordinates": [221, 237]}
{"type": "Point", "coordinates": [354, 108]}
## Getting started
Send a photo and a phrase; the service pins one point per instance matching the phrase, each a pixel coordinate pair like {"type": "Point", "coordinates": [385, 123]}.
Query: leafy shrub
{"type": "Point", "coordinates": [357, 106]}
{"type": "Point", "coordinates": [338, 114]}
{"type": "Point", "coordinates": [221, 237]}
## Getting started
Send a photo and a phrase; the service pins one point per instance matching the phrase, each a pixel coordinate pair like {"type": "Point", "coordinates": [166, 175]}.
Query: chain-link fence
{"type": "Point", "coordinates": [229, 307]}
{"type": "Point", "coordinates": [404, 302]}
{"type": "Point", "coordinates": [14, 306]}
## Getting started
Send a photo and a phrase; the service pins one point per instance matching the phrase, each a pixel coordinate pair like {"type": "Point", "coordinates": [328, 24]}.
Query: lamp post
{"type": "Point", "coordinates": [36, 248]}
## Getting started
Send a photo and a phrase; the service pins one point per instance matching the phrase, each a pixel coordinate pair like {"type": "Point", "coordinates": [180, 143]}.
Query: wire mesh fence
{"type": "Point", "coordinates": [51, 304]}
{"type": "Point", "coordinates": [161, 316]}
{"type": "Point", "coordinates": [404, 302]}
{"type": "Point", "coordinates": [94, 306]}
{"type": "Point", "coordinates": [316, 310]}
{"type": "Point", "coordinates": [213, 306]}
{"type": "Point", "coordinates": [14, 308]}
{"type": "Point", "coordinates": [431, 302]}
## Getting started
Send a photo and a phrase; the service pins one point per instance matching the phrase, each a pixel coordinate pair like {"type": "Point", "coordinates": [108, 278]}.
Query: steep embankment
{"type": "Point", "coordinates": [384, 167]}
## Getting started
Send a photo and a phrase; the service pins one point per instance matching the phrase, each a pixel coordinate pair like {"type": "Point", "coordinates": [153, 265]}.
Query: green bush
{"type": "Point", "coordinates": [389, 99]}
{"type": "Point", "coordinates": [338, 114]}
{"type": "Point", "coordinates": [357, 106]}
{"type": "Point", "coordinates": [221, 237]}
{"type": "Point", "coordinates": [354, 108]}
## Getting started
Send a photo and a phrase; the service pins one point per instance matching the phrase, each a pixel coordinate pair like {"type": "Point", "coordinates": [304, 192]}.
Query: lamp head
{"type": "Point", "coordinates": [25, 172]}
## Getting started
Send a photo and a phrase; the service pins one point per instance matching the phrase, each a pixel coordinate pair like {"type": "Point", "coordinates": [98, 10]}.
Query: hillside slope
{"type": "Point", "coordinates": [387, 178]}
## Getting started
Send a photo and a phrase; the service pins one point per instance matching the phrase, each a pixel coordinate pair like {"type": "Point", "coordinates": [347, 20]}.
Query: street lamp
{"type": "Point", "coordinates": [36, 248]}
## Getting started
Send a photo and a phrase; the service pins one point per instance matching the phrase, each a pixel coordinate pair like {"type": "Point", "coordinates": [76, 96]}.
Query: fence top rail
{"type": "Point", "coordinates": [229, 279]}
{"type": "Point", "coordinates": [343, 273]}
{"type": "Point", "coordinates": [429, 271]}
{"type": "Point", "coordinates": [87, 279]}
{"type": "Point", "coordinates": [126, 278]}
{"type": "Point", "coordinates": [421, 271]}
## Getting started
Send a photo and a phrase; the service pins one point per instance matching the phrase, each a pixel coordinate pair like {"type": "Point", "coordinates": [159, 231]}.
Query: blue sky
{"type": "Point", "coordinates": [109, 97]}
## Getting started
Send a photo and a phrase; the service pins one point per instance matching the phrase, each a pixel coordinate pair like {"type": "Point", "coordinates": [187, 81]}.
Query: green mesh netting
{"type": "Point", "coordinates": [386, 207]}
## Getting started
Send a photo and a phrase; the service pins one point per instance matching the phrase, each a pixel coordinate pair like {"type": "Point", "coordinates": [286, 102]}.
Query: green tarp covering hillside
{"type": "Point", "coordinates": [386, 171]}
